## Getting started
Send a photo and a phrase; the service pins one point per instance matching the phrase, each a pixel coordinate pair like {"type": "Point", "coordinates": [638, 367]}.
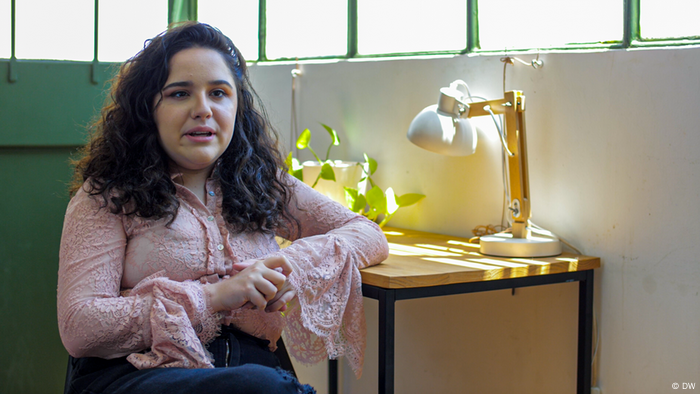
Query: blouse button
{"type": "Point", "coordinates": [211, 193]}
{"type": "Point", "coordinates": [210, 218]}
{"type": "Point", "coordinates": [220, 247]}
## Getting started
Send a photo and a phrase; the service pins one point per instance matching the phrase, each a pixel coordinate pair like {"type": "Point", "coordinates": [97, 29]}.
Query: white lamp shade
{"type": "Point", "coordinates": [441, 133]}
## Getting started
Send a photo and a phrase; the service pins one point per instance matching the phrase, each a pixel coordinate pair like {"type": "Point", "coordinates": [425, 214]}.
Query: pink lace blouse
{"type": "Point", "coordinates": [133, 287]}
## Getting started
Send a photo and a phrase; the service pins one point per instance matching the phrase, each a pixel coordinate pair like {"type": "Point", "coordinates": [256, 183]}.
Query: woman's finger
{"type": "Point", "coordinates": [280, 304]}
{"type": "Point", "coordinates": [267, 288]}
{"type": "Point", "coordinates": [240, 266]}
{"type": "Point", "coordinates": [258, 300]}
{"type": "Point", "coordinates": [279, 262]}
{"type": "Point", "coordinates": [277, 279]}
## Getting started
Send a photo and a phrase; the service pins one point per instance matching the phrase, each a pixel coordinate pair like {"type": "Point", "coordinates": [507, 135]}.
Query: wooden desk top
{"type": "Point", "coordinates": [420, 259]}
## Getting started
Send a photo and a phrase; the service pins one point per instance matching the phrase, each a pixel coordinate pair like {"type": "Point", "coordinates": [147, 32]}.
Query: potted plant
{"type": "Point", "coordinates": [329, 177]}
{"type": "Point", "coordinates": [346, 182]}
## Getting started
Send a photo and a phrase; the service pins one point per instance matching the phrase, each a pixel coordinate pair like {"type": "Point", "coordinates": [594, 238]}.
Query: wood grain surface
{"type": "Point", "coordinates": [421, 259]}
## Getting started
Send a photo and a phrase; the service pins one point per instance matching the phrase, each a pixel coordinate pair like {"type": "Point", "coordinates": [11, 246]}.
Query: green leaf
{"type": "Point", "coordinates": [372, 164]}
{"type": "Point", "coordinates": [409, 199]}
{"type": "Point", "coordinates": [391, 204]}
{"type": "Point", "coordinates": [288, 163]}
{"type": "Point", "coordinates": [355, 200]}
{"type": "Point", "coordinates": [327, 172]}
{"type": "Point", "coordinates": [304, 139]}
{"type": "Point", "coordinates": [293, 167]}
{"type": "Point", "coordinates": [351, 193]}
{"type": "Point", "coordinates": [359, 204]}
{"type": "Point", "coordinates": [296, 165]}
{"type": "Point", "coordinates": [350, 196]}
{"type": "Point", "coordinates": [334, 135]}
{"type": "Point", "coordinates": [376, 200]}
{"type": "Point", "coordinates": [335, 141]}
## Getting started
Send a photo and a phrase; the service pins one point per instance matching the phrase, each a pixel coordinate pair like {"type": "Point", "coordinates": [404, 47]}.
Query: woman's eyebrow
{"type": "Point", "coordinates": [182, 84]}
{"type": "Point", "coordinates": [221, 82]}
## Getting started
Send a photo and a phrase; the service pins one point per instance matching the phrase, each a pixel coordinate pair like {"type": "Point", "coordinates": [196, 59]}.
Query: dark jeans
{"type": "Point", "coordinates": [249, 368]}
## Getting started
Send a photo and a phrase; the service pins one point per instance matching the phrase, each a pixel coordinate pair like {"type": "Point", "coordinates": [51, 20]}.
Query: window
{"type": "Point", "coordinates": [54, 29]}
{"type": "Point", "coordinates": [289, 29]}
{"type": "Point", "coordinates": [5, 29]}
{"type": "Point", "coordinates": [508, 24]}
{"type": "Point", "coordinates": [381, 27]}
{"type": "Point", "coordinates": [122, 32]}
{"type": "Point", "coordinates": [237, 19]}
{"type": "Point", "coordinates": [306, 28]}
{"type": "Point", "coordinates": [397, 26]}
{"type": "Point", "coordinates": [669, 18]}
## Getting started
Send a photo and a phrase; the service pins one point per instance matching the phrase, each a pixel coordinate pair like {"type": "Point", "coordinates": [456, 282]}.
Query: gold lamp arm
{"type": "Point", "coordinates": [428, 130]}
{"type": "Point", "coordinates": [512, 106]}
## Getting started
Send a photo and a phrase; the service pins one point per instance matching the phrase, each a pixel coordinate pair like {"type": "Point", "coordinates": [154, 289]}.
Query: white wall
{"type": "Point", "coordinates": [613, 139]}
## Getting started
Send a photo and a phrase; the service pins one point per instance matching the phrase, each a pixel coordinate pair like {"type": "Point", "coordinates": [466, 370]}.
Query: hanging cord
{"type": "Point", "coordinates": [498, 122]}
{"type": "Point", "coordinates": [536, 64]}
{"type": "Point", "coordinates": [505, 221]}
{"type": "Point", "coordinates": [293, 118]}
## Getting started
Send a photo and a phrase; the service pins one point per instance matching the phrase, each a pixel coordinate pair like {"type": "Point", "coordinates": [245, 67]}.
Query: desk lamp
{"type": "Point", "coordinates": [445, 128]}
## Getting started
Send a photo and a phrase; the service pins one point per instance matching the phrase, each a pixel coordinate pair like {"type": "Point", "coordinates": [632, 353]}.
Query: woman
{"type": "Point", "coordinates": [168, 256]}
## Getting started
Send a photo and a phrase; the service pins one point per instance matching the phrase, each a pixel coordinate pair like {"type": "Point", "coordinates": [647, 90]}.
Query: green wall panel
{"type": "Point", "coordinates": [42, 120]}
{"type": "Point", "coordinates": [51, 102]}
{"type": "Point", "coordinates": [33, 199]}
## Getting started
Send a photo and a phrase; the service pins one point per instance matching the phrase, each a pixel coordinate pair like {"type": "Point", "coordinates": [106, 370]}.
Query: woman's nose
{"type": "Point", "coordinates": [201, 107]}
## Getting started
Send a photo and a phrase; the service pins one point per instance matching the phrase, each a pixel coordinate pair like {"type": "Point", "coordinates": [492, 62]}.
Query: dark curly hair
{"type": "Point", "coordinates": [126, 165]}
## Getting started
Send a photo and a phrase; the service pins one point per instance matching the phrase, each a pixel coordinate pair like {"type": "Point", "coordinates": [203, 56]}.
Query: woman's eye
{"type": "Point", "coordinates": [218, 93]}
{"type": "Point", "coordinates": [178, 94]}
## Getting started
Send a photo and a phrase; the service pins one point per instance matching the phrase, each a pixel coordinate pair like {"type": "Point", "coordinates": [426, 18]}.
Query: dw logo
{"type": "Point", "coordinates": [685, 386]}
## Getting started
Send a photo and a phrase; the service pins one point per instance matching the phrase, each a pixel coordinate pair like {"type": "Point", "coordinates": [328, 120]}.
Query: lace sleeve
{"type": "Point", "coordinates": [333, 245]}
{"type": "Point", "coordinates": [94, 318]}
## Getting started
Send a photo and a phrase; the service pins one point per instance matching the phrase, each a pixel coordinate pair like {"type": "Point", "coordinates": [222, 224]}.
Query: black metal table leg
{"type": "Point", "coordinates": [332, 376]}
{"type": "Point", "coordinates": [387, 304]}
{"type": "Point", "coordinates": [585, 334]}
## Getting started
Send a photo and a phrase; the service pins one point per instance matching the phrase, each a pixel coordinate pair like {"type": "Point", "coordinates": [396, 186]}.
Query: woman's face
{"type": "Point", "coordinates": [197, 111]}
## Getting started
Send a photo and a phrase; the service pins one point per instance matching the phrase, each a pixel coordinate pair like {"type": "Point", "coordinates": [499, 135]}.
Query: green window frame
{"type": "Point", "coordinates": [631, 35]}
{"type": "Point", "coordinates": [181, 10]}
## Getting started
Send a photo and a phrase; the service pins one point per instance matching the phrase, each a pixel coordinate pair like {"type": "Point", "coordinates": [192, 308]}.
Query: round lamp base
{"type": "Point", "coordinates": [504, 245]}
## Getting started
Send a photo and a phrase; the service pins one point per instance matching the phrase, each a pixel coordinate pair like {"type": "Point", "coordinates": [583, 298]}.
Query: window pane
{"type": "Point", "coordinates": [237, 19]}
{"type": "Point", "coordinates": [545, 23]}
{"type": "Point", "coordinates": [123, 31]}
{"type": "Point", "coordinates": [306, 28]}
{"type": "Point", "coordinates": [669, 18]}
{"type": "Point", "coordinates": [395, 26]}
{"type": "Point", "coordinates": [5, 29]}
{"type": "Point", "coordinates": [62, 30]}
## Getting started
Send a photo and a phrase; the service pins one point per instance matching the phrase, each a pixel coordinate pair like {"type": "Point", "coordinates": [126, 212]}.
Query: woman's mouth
{"type": "Point", "coordinates": [201, 133]}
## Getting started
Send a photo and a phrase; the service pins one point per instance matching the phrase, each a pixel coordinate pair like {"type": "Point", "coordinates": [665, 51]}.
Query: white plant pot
{"type": "Point", "coordinates": [347, 174]}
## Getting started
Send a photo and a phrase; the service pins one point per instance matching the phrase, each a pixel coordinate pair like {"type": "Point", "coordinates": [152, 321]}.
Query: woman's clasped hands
{"type": "Point", "coordinates": [260, 284]}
